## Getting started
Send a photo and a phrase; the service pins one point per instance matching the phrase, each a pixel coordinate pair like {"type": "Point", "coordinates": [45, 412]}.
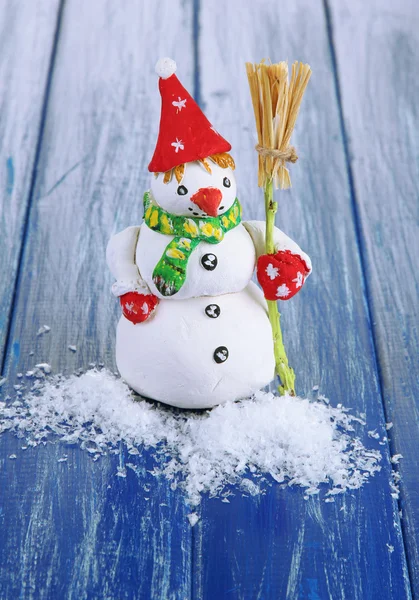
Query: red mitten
{"type": "Point", "coordinates": [136, 307]}
{"type": "Point", "coordinates": [281, 275]}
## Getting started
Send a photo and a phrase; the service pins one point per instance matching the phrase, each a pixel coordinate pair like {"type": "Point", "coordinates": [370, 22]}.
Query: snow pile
{"type": "Point", "coordinates": [290, 440]}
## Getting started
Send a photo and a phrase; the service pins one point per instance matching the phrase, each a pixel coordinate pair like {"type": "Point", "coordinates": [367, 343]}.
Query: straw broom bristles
{"type": "Point", "coordinates": [276, 103]}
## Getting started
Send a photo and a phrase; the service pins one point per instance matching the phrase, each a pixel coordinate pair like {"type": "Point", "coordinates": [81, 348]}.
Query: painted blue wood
{"type": "Point", "coordinates": [27, 34]}
{"type": "Point", "coordinates": [75, 530]}
{"type": "Point", "coordinates": [280, 545]}
{"type": "Point", "coordinates": [379, 98]}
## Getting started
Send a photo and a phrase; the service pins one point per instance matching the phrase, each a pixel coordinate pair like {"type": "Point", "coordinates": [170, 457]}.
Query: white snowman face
{"type": "Point", "coordinates": [199, 194]}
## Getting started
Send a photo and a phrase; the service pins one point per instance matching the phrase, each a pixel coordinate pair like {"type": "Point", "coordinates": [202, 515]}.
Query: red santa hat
{"type": "Point", "coordinates": [185, 133]}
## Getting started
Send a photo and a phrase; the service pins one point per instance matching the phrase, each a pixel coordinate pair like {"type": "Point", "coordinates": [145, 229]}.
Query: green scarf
{"type": "Point", "coordinates": [170, 272]}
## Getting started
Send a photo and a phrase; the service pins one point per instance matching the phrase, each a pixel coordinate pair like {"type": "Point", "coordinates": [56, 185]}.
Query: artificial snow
{"type": "Point", "coordinates": [247, 444]}
{"type": "Point", "coordinates": [43, 329]}
{"type": "Point", "coordinates": [193, 519]}
{"type": "Point", "coordinates": [45, 367]}
{"type": "Point", "coordinates": [395, 459]}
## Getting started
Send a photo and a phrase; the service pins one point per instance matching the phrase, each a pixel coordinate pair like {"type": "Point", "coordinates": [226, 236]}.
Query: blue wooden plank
{"type": "Point", "coordinates": [27, 34]}
{"type": "Point", "coordinates": [75, 530]}
{"type": "Point", "coordinates": [281, 546]}
{"type": "Point", "coordinates": [379, 94]}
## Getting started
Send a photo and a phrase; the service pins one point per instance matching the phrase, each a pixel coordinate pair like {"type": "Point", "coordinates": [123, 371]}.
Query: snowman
{"type": "Point", "coordinates": [194, 330]}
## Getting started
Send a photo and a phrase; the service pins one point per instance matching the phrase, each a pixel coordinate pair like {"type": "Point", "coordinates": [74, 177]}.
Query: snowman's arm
{"type": "Point", "coordinates": [120, 256]}
{"type": "Point", "coordinates": [256, 230]}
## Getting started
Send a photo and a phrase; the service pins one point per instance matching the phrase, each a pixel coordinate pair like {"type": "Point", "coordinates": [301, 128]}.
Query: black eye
{"type": "Point", "coordinates": [182, 191]}
{"type": "Point", "coordinates": [226, 182]}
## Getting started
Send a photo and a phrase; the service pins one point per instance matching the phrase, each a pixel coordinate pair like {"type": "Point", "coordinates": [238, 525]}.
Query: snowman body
{"type": "Point", "coordinates": [199, 352]}
{"type": "Point", "coordinates": [212, 270]}
{"type": "Point", "coordinates": [211, 341]}
{"type": "Point", "coordinates": [195, 331]}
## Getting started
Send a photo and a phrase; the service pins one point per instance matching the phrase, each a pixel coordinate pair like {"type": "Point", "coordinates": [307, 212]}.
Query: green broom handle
{"type": "Point", "coordinates": [282, 368]}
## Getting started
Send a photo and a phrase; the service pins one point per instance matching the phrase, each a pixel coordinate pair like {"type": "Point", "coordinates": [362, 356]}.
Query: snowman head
{"type": "Point", "coordinates": [203, 188]}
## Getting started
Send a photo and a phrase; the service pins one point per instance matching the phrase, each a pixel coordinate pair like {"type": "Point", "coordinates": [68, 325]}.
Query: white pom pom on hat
{"type": "Point", "coordinates": [165, 67]}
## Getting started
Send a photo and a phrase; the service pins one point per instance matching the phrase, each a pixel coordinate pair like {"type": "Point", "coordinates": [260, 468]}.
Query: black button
{"type": "Point", "coordinates": [209, 261]}
{"type": "Point", "coordinates": [220, 354]}
{"type": "Point", "coordinates": [212, 311]}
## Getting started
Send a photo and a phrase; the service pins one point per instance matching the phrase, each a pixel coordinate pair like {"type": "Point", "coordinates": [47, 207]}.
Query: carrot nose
{"type": "Point", "coordinates": [208, 199]}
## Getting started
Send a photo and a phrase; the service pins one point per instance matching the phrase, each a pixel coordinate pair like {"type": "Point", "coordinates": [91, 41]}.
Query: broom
{"type": "Point", "coordinates": [276, 102]}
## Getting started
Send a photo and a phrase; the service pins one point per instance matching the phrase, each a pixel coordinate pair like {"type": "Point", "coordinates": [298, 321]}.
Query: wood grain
{"type": "Point", "coordinates": [27, 34]}
{"type": "Point", "coordinates": [75, 530]}
{"type": "Point", "coordinates": [379, 99]}
{"type": "Point", "coordinates": [281, 546]}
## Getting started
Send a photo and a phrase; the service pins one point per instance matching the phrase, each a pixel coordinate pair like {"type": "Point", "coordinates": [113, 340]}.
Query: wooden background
{"type": "Point", "coordinates": [78, 123]}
